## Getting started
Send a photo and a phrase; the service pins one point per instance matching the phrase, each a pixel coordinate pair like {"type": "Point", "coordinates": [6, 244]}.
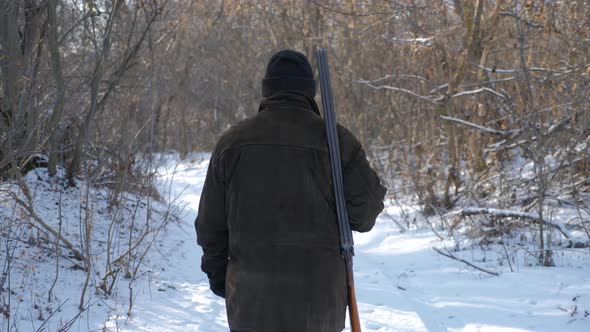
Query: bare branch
{"type": "Point", "coordinates": [451, 256]}
{"type": "Point", "coordinates": [532, 24]}
{"type": "Point", "coordinates": [476, 126]}
{"type": "Point", "coordinates": [514, 71]}
{"type": "Point", "coordinates": [394, 88]}
{"type": "Point", "coordinates": [473, 92]}
{"type": "Point", "coordinates": [394, 76]}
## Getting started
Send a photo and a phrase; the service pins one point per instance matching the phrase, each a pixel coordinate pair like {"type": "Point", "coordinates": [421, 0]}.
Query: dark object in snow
{"type": "Point", "coordinates": [25, 165]}
{"type": "Point", "coordinates": [578, 245]}
{"type": "Point", "coordinates": [267, 218]}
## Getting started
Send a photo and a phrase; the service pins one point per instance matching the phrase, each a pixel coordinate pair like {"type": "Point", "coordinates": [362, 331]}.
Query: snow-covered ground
{"type": "Point", "coordinates": [402, 283]}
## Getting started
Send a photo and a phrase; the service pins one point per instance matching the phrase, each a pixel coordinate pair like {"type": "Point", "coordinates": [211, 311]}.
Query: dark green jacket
{"type": "Point", "coordinates": [267, 220]}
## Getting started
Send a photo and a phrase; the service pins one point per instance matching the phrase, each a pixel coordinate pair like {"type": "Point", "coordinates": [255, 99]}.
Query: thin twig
{"type": "Point", "coordinates": [451, 256]}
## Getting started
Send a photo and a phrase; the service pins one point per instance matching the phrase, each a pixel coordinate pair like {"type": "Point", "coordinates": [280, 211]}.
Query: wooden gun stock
{"type": "Point", "coordinates": [353, 310]}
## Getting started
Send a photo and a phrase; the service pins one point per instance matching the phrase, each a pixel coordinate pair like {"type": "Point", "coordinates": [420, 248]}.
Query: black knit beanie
{"type": "Point", "coordinates": [289, 70]}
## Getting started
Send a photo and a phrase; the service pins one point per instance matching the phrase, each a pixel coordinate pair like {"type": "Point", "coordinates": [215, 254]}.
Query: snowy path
{"type": "Point", "coordinates": [402, 284]}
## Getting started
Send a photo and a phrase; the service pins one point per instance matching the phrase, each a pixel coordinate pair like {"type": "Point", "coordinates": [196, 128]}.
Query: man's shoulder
{"type": "Point", "coordinates": [263, 127]}
{"type": "Point", "coordinates": [347, 138]}
{"type": "Point", "coordinates": [350, 146]}
{"type": "Point", "coordinates": [235, 134]}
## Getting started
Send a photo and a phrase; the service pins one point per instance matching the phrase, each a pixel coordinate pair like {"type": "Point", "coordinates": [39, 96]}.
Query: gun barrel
{"type": "Point", "coordinates": [346, 240]}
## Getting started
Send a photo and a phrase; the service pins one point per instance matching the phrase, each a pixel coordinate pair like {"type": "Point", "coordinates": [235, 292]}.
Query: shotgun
{"type": "Point", "coordinates": [346, 241]}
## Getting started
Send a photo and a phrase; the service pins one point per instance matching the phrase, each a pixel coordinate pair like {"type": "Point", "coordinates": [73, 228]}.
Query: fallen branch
{"type": "Point", "coordinates": [451, 256]}
{"type": "Point", "coordinates": [40, 223]}
{"type": "Point", "coordinates": [470, 211]}
{"type": "Point", "coordinates": [44, 227]}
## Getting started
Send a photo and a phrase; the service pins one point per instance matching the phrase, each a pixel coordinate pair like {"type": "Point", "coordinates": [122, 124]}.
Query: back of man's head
{"type": "Point", "coordinates": [289, 70]}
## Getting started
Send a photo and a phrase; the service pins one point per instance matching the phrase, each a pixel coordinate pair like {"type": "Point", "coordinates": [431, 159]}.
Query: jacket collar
{"type": "Point", "coordinates": [289, 99]}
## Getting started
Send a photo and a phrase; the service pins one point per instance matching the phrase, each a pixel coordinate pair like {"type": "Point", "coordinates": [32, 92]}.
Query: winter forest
{"type": "Point", "coordinates": [474, 113]}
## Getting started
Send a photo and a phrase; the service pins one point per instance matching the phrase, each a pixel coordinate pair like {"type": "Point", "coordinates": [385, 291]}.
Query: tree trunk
{"type": "Point", "coordinates": [84, 132]}
{"type": "Point", "coordinates": [10, 63]}
{"type": "Point", "coordinates": [56, 114]}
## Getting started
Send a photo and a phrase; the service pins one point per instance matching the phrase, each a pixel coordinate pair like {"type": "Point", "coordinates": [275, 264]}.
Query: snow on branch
{"type": "Point", "coordinates": [394, 88]}
{"type": "Point", "coordinates": [439, 88]}
{"type": "Point", "coordinates": [480, 90]}
{"type": "Point", "coordinates": [432, 98]}
{"type": "Point", "coordinates": [469, 211]}
{"type": "Point", "coordinates": [394, 76]}
{"type": "Point", "coordinates": [557, 126]}
{"type": "Point", "coordinates": [581, 182]}
{"type": "Point", "coordinates": [500, 80]}
{"type": "Point", "coordinates": [426, 41]}
{"type": "Point", "coordinates": [476, 126]}
{"type": "Point", "coordinates": [513, 71]}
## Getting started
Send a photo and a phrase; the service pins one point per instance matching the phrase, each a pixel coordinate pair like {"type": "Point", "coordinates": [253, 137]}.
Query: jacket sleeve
{"type": "Point", "coordinates": [362, 188]}
{"type": "Point", "coordinates": [211, 227]}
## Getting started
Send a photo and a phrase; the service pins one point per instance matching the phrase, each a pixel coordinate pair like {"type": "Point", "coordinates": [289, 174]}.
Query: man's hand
{"type": "Point", "coordinates": [217, 287]}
